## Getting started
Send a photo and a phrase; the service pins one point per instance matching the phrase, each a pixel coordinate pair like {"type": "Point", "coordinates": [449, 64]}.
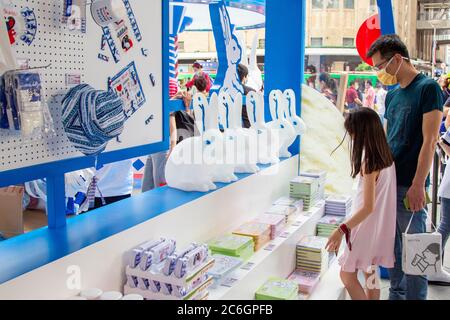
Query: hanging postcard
{"type": "Point", "coordinates": [123, 36]}
{"type": "Point", "coordinates": [126, 84]}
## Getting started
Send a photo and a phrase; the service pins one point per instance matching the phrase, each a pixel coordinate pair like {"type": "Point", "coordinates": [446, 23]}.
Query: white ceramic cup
{"type": "Point", "coordinates": [106, 12]}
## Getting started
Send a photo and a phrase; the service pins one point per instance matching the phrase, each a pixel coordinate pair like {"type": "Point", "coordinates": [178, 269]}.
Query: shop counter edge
{"type": "Point", "coordinates": [30, 251]}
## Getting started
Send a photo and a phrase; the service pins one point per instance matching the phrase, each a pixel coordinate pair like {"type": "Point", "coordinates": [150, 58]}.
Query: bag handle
{"type": "Point", "coordinates": [412, 217]}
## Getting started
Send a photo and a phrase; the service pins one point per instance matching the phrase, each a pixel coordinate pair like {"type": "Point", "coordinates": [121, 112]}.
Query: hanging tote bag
{"type": "Point", "coordinates": [422, 252]}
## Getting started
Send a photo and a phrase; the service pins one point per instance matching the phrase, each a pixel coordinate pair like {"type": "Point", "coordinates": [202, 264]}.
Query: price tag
{"type": "Point", "coordinates": [285, 235]}
{"type": "Point", "coordinates": [248, 266]}
{"type": "Point", "coordinates": [229, 282]}
{"type": "Point", "coordinates": [270, 247]}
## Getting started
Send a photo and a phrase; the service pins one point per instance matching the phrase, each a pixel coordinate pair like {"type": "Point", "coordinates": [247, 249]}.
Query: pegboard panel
{"type": "Point", "coordinates": [76, 53]}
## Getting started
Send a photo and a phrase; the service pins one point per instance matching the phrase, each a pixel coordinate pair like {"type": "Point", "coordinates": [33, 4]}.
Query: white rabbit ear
{"type": "Point", "coordinates": [260, 109]}
{"type": "Point", "coordinates": [212, 113]}
{"type": "Point", "coordinates": [237, 110]}
{"type": "Point", "coordinates": [200, 103]}
{"type": "Point", "coordinates": [289, 95]}
{"type": "Point", "coordinates": [251, 105]}
{"type": "Point", "coordinates": [223, 110]}
{"type": "Point", "coordinates": [274, 100]}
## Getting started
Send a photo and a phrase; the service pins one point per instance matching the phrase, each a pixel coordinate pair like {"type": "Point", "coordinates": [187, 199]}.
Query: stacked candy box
{"type": "Point", "coordinates": [321, 177]}
{"type": "Point", "coordinates": [276, 222]}
{"type": "Point", "coordinates": [306, 189]}
{"type": "Point", "coordinates": [223, 267]}
{"type": "Point", "coordinates": [233, 245]}
{"type": "Point", "coordinates": [306, 281]}
{"type": "Point", "coordinates": [311, 254]}
{"type": "Point", "coordinates": [277, 289]}
{"type": "Point", "coordinates": [296, 204]}
{"type": "Point", "coordinates": [328, 224]}
{"type": "Point", "coordinates": [338, 205]}
{"type": "Point", "coordinates": [287, 212]}
{"type": "Point", "coordinates": [163, 274]}
{"type": "Point", "coordinates": [260, 232]}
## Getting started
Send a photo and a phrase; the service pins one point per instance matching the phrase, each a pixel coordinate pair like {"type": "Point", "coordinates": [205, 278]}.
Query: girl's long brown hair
{"type": "Point", "coordinates": [368, 140]}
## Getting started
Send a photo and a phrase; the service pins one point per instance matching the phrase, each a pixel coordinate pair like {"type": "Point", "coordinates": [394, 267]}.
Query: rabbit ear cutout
{"type": "Point", "coordinates": [224, 109]}
{"type": "Point", "coordinates": [274, 103]}
{"type": "Point", "coordinates": [212, 113]}
{"type": "Point", "coordinates": [237, 110]}
{"type": "Point", "coordinates": [200, 103]}
{"type": "Point", "coordinates": [252, 106]}
{"type": "Point", "coordinates": [289, 95]}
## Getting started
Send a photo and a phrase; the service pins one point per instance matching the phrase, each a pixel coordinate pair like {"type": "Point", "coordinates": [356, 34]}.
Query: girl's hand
{"type": "Point", "coordinates": [334, 242]}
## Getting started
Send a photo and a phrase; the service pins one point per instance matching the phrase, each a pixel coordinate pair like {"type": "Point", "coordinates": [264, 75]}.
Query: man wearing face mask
{"type": "Point", "coordinates": [413, 113]}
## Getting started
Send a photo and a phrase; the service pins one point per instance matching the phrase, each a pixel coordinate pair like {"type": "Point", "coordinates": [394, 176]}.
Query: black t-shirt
{"type": "Point", "coordinates": [405, 108]}
{"type": "Point", "coordinates": [245, 121]}
{"type": "Point", "coordinates": [186, 127]}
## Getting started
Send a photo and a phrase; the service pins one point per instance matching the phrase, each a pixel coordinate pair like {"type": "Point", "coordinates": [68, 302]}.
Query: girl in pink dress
{"type": "Point", "coordinates": [370, 231]}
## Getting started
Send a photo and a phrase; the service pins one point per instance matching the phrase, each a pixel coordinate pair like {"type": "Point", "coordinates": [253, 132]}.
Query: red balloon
{"type": "Point", "coordinates": [368, 33]}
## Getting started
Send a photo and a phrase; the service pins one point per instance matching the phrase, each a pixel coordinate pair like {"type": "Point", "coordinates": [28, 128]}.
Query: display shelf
{"type": "Point", "coordinates": [276, 259]}
{"type": "Point", "coordinates": [181, 282]}
{"type": "Point", "coordinates": [199, 293]}
{"type": "Point", "coordinates": [330, 286]}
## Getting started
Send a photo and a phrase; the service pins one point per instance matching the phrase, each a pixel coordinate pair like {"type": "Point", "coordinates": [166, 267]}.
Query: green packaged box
{"type": "Point", "coordinates": [233, 245]}
{"type": "Point", "coordinates": [277, 289]}
{"type": "Point", "coordinates": [304, 186]}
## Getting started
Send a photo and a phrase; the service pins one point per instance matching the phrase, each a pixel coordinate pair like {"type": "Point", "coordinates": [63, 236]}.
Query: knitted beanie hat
{"type": "Point", "coordinates": [91, 118]}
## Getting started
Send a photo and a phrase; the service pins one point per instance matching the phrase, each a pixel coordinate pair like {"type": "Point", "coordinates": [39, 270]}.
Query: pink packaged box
{"type": "Point", "coordinates": [276, 222]}
{"type": "Point", "coordinates": [306, 281]}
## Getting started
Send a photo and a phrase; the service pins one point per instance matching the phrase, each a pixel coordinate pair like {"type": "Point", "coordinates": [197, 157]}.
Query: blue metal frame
{"type": "Point", "coordinates": [54, 171]}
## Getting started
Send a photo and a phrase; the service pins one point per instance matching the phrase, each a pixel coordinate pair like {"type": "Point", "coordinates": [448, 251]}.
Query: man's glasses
{"type": "Point", "coordinates": [379, 67]}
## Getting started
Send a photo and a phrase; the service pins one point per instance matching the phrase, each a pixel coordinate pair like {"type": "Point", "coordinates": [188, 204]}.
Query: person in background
{"type": "Point", "coordinates": [311, 82]}
{"type": "Point", "coordinates": [370, 231]}
{"type": "Point", "coordinates": [351, 97]}
{"type": "Point", "coordinates": [198, 72]}
{"type": "Point", "coordinates": [182, 126]}
{"type": "Point", "coordinates": [369, 95]}
{"type": "Point", "coordinates": [381, 100]}
{"type": "Point", "coordinates": [443, 277]}
{"type": "Point", "coordinates": [328, 87]}
{"type": "Point", "coordinates": [444, 82]}
{"type": "Point", "coordinates": [360, 88]}
{"type": "Point", "coordinates": [414, 114]}
{"type": "Point", "coordinates": [114, 183]}
{"type": "Point", "coordinates": [243, 76]}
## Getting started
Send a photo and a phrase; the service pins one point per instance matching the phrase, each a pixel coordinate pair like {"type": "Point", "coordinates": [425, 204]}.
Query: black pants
{"type": "Point", "coordinates": [109, 200]}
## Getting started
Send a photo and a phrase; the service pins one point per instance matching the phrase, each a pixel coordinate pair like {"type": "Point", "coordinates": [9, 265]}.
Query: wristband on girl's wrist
{"type": "Point", "coordinates": [346, 231]}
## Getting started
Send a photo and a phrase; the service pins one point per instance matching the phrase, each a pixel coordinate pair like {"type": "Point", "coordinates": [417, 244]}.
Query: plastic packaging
{"type": "Point", "coordinates": [26, 110]}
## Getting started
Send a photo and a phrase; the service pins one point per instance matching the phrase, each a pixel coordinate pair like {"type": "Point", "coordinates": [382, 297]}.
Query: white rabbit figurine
{"type": "Point", "coordinates": [291, 115]}
{"type": "Point", "coordinates": [268, 145]}
{"type": "Point", "coordinates": [187, 169]}
{"type": "Point", "coordinates": [207, 119]}
{"type": "Point", "coordinates": [285, 129]}
{"type": "Point", "coordinates": [238, 143]}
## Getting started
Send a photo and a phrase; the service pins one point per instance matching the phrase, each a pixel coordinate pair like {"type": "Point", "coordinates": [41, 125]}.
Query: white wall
{"type": "Point", "coordinates": [201, 220]}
